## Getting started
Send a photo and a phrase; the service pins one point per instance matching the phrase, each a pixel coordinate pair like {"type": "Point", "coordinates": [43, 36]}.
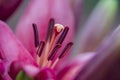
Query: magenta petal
{"type": "Point", "coordinates": [14, 69]}
{"type": "Point", "coordinates": [46, 74]}
{"type": "Point", "coordinates": [2, 67]}
{"type": "Point", "coordinates": [3, 71]}
{"type": "Point", "coordinates": [11, 48]}
{"type": "Point", "coordinates": [7, 7]}
{"type": "Point", "coordinates": [6, 77]}
{"type": "Point", "coordinates": [39, 12]}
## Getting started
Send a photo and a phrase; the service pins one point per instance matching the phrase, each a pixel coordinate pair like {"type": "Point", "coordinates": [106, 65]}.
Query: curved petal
{"type": "Point", "coordinates": [39, 12]}
{"type": "Point", "coordinates": [14, 69]}
{"type": "Point", "coordinates": [71, 70]}
{"type": "Point", "coordinates": [6, 77]}
{"type": "Point", "coordinates": [11, 48]}
{"type": "Point", "coordinates": [3, 71]}
{"type": "Point", "coordinates": [31, 70]}
{"type": "Point", "coordinates": [2, 67]}
{"type": "Point", "coordinates": [97, 26]}
{"type": "Point", "coordinates": [46, 74]}
{"type": "Point", "coordinates": [7, 7]}
{"type": "Point", "coordinates": [105, 64]}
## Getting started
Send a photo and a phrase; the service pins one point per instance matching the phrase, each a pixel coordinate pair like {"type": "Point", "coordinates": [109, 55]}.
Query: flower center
{"type": "Point", "coordinates": [46, 50]}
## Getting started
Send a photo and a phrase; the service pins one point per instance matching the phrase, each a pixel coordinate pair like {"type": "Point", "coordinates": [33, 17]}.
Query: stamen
{"type": "Point", "coordinates": [36, 36]}
{"type": "Point", "coordinates": [40, 48]}
{"type": "Point", "coordinates": [54, 51]}
{"type": "Point", "coordinates": [63, 35]}
{"type": "Point", "coordinates": [46, 50]}
{"type": "Point", "coordinates": [65, 50]}
{"type": "Point", "coordinates": [55, 63]}
{"type": "Point", "coordinates": [50, 30]}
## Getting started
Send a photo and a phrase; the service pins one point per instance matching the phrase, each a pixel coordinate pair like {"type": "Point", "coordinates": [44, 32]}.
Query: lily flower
{"type": "Point", "coordinates": [44, 37]}
{"type": "Point", "coordinates": [20, 59]}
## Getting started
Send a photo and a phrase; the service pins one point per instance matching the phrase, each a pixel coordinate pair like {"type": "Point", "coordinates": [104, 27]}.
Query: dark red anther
{"type": "Point", "coordinates": [36, 36]}
{"type": "Point", "coordinates": [50, 30]}
{"type": "Point", "coordinates": [46, 74]}
{"type": "Point", "coordinates": [40, 48]}
{"type": "Point", "coordinates": [65, 50]}
{"type": "Point", "coordinates": [63, 35]}
{"type": "Point", "coordinates": [54, 51]}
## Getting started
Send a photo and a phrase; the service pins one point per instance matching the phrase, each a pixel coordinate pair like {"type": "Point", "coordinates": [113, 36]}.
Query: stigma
{"type": "Point", "coordinates": [46, 50]}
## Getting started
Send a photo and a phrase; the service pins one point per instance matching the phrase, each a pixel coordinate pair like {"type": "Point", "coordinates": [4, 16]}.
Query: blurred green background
{"type": "Point", "coordinates": [89, 6]}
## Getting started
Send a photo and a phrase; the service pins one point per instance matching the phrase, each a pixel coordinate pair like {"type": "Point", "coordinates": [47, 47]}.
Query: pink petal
{"type": "Point", "coordinates": [3, 71]}
{"type": "Point", "coordinates": [16, 67]}
{"type": "Point", "coordinates": [39, 12]}
{"type": "Point", "coordinates": [2, 67]}
{"type": "Point", "coordinates": [31, 70]}
{"type": "Point", "coordinates": [70, 71]}
{"type": "Point", "coordinates": [11, 48]}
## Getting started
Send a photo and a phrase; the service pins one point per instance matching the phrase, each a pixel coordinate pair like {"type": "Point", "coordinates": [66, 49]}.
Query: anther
{"type": "Point", "coordinates": [54, 51]}
{"type": "Point", "coordinates": [36, 36]}
{"type": "Point", "coordinates": [50, 30]}
{"type": "Point", "coordinates": [63, 35]}
{"type": "Point", "coordinates": [40, 48]}
{"type": "Point", "coordinates": [65, 50]}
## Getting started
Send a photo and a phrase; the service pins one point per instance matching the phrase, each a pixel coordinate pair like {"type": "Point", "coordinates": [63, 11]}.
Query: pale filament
{"type": "Point", "coordinates": [54, 63]}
